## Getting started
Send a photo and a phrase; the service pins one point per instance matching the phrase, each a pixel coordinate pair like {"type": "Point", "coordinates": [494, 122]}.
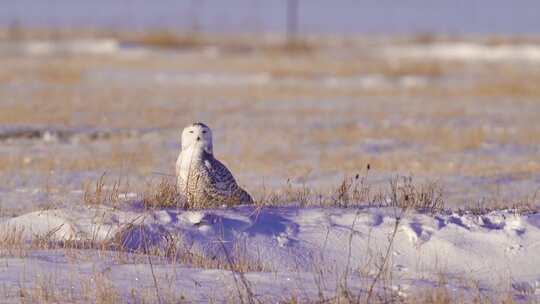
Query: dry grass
{"type": "Point", "coordinates": [162, 195]}
{"type": "Point", "coordinates": [442, 293]}
{"type": "Point", "coordinates": [303, 127]}
{"type": "Point", "coordinates": [172, 249]}
{"type": "Point", "coordinates": [525, 204]}
{"type": "Point", "coordinates": [12, 243]}
{"type": "Point", "coordinates": [123, 152]}
{"type": "Point", "coordinates": [100, 194]}
{"type": "Point", "coordinates": [46, 288]}
{"type": "Point", "coordinates": [357, 191]}
{"type": "Point", "coordinates": [402, 194]}
{"type": "Point", "coordinates": [169, 40]}
{"type": "Point", "coordinates": [425, 197]}
{"type": "Point", "coordinates": [301, 130]}
{"type": "Point", "coordinates": [439, 295]}
{"type": "Point", "coordinates": [351, 191]}
{"type": "Point", "coordinates": [240, 44]}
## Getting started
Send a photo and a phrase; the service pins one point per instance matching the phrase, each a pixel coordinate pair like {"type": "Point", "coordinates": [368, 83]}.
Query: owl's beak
{"type": "Point", "coordinates": [198, 138]}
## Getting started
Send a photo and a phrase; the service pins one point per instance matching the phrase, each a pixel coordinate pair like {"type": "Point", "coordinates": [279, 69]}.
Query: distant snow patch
{"type": "Point", "coordinates": [211, 79]}
{"type": "Point", "coordinates": [82, 46]}
{"type": "Point", "coordinates": [375, 81]}
{"type": "Point", "coordinates": [466, 51]}
{"type": "Point", "coordinates": [105, 46]}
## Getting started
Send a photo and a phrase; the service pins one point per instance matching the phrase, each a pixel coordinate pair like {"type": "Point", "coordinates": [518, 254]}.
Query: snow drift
{"type": "Point", "coordinates": [496, 248]}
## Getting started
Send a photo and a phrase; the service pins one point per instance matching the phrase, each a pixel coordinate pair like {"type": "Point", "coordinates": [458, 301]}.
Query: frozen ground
{"type": "Point", "coordinates": [53, 167]}
{"type": "Point", "coordinates": [289, 123]}
{"type": "Point", "coordinates": [307, 253]}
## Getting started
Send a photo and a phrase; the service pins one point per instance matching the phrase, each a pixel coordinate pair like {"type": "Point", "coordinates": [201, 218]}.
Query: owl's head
{"type": "Point", "coordinates": [199, 136]}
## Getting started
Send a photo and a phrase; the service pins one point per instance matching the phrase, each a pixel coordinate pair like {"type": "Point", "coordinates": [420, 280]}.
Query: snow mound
{"type": "Point", "coordinates": [208, 231]}
{"type": "Point", "coordinates": [492, 248]}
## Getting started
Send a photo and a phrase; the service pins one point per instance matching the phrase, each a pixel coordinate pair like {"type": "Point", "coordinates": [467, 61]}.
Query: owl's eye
{"type": "Point", "coordinates": [191, 131]}
{"type": "Point", "coordinates": [204, 132]}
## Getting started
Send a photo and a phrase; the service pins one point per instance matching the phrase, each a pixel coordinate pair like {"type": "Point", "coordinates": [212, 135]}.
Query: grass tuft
{"type": "Point", "coordinates": [101, 194]}
{"type": "Point", "coordinates": [425, 197]}
{"type": "Point", "coordinates": [162, 195]}
{"type": "Point", "coordinates": [169, 40]}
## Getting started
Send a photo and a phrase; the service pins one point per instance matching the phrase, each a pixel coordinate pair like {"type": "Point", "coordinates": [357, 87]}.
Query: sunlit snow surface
{"type": "Point", "coordinates": [295, 243]}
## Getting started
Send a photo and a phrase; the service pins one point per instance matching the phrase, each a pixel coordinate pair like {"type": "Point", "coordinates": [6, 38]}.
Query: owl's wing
{"type": "Point", "coordinates": [224, 181]}
{"type": "Point", "coordinates": [219, 175]}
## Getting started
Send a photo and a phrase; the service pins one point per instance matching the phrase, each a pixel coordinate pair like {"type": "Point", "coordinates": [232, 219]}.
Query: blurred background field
{"type": "Point", "coordinates": [441, 92]}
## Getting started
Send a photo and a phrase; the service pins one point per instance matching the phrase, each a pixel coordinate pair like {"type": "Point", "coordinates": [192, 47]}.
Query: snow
{"type": "Point", "coordinates": [375, 81]}
{"type": "Point", "coordinates": [466, 51]}
{"type": "Point", "coordinates": [204, 79]}
{"type": "Point", "coordinates": [296, 245]}
{"type": "Point", "coordinates": [86, 46]}
{"type": "Point", "coordinates": [102, 46]}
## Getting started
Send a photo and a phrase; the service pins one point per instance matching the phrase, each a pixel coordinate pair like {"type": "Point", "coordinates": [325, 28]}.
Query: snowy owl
{"type": "Point", "coordinates": [202, 179]}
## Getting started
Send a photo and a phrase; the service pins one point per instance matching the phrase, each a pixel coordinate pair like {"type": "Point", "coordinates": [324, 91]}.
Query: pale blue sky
{"type": "Point", "coordinates": [317, 16]}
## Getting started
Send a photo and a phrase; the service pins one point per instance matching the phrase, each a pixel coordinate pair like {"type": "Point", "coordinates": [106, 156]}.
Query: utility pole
{"type": "Point", "coordinates": [194, 11]}
{"type": "Point", "coordinates": [292, 21]}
